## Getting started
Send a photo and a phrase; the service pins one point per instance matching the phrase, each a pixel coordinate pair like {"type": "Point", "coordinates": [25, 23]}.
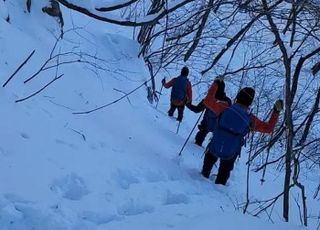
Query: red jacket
{"type": "Point", "coordinates": [188, 93]}
{"type": "Point", "coordinates": [255, 123]}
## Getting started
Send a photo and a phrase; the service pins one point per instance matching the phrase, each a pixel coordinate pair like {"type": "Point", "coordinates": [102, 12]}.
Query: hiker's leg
{"type": "Point", "coordinates": [171, 110]}
{"type": "Point", "coordinates": [180, 113]}
{"type": "Point", "coordinates": [208, 162]}
{"type": "Point", "coordinates": [200, 136]}
{"type": "Point", "coordinates": [225, 169]}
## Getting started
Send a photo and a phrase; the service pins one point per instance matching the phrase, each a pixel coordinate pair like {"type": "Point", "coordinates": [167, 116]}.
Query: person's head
{"type": "Point", "coordinates": [245, 96]}
{"type": "Point", "coordinates": [185, 71]}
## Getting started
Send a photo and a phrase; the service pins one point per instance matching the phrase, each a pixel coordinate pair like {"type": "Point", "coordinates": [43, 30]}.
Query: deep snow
{"type": "Point", "coordinates": [116, 168]}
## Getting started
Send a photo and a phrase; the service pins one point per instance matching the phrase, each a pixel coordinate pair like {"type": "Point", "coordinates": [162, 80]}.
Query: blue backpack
{"type": "Point", "coordinates": [179, 88]}
{"type": "Point", "coordinates": [228, 137]}
{"type": "Point", "coordinates": [211, 117]}
{"type": "Point", "coordinates": [210, 120]}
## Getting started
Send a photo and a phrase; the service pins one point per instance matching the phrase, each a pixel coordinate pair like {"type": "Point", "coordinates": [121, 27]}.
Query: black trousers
{"type": "Point", "coordinates": [202, 133]}
{"type": "Point", "coordinates": [203, 129]}
{"type": "Point", "coordinates": [225, 167]}
{"type": "Point", "coordinates": [180, 111]}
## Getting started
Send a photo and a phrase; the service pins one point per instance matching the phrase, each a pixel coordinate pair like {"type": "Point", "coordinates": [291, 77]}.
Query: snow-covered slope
{"type": "Point", "coordinates": [116, 168]}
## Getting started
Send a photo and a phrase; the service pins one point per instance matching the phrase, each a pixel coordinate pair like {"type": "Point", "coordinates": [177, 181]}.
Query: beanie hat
{"type": "Point", "coordinates": [245, 96]}
{"type": "Point", "coordinates": [185, 71]}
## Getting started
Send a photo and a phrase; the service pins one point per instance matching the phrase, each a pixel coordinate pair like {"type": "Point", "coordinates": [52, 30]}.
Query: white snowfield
{"type": "Point", "coordinates": [114, 169]}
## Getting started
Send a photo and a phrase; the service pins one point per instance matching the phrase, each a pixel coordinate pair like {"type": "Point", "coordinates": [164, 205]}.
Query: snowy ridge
{"type": "Point", "coordinates": [116, 168]}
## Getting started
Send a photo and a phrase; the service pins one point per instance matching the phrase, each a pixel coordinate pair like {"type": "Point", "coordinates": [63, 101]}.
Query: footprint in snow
{"type": "Point", "coordinates": [16, 199]}
{"type": "Point", "coordinates": [71, 187]}
{"type": "Point", "coordinates": [99, 218]}
{"type": "Point", "coordinates": [24, 135]}
{"type": "Point", "coordinates": [133, 208]}
{"type": "Point", "coordinates": [175, 198]}
{"type": "Point", "coordinates": [152, 176]}
{"type": "Point", "coordinates": [4, 152]}
{"type": "Point", "coordinates": [125, 178]}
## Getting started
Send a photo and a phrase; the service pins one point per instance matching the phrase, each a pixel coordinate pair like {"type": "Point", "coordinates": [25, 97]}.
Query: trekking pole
{"type": "Point", "coordinates": [190, 134]}
{"type": "Point", "coordinates": [159, 95]}
{"type": "Point", "coordinates": [262, 180]}
{"type": "Point", "coordinates": [178, 127]}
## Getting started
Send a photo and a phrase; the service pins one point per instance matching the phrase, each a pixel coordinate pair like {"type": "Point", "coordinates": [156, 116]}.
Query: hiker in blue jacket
{"type": "Point", "coordinates": [181, 92]}
{"type": "Point", "coordinates": [234, 122]}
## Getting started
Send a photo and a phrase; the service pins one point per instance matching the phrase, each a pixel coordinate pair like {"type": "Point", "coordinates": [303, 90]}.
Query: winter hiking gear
{"type": "Point", "coordinates": [178, 127]}
{"type": "Point", "coordinates": [180, 94]}
{"type": "Point", "coordinates": [256, 124]}
{"type": "Point", "coordinates": [230, 131]}
{"type": "Point", "coordinates": [190, 134]}
{"type": "Point", "coordinates": [228, 136]}
{"type": "Point", "coordinates": [220, 94]}
{"type": "Point", "coordinates": [209, 119]}
{"type": "Point", "coordinates": [208, 123]}
{"type": "Point", "coordinates": [278, 106]}
{"type": "Point", "coordinates": [245, 96]}
{"type": "Point", "coordinates": [159, 94]}
{"type": "Point", "coordinates": [179, 88]}
{"type": "Point", "coordinates": [225, 167]}
{"type": "Point", "coordinates": [185, 71]}
{"type": "Point", "coordinates": [163, 81]}
{"type": "Point", "coordinates": [180, 111]}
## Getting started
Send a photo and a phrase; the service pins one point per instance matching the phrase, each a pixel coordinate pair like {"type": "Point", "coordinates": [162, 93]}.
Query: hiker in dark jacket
{"type": "Point", "coordinates": [209, 118]}
{"type": "Point", "coordinates": [234, 123]}
{"type": "Point", "coordinates": [181, 92]}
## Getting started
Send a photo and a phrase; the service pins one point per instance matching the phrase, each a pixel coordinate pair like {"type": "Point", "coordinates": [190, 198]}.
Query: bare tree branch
{"type": "Point", "coordinates": [197, 37]}
{"type": "Point", "coordinates": [153, 17]}
{"type": "Point", "coordinates": [311, 116]}
{"type": "Point", "coordinates": [116, 7]}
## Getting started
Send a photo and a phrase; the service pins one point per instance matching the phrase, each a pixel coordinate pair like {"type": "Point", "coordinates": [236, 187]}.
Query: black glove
{"type": "Point", "coordinates": [218, 79]}
{"type": "Point", "coordinates": [201, 127]}
{"type": "Point", "coordinates": [278, 106]}
{"type": "Point", "coordinates": [163, 81]}
{"type": "Point", "coordinates": [219, 82]}
{"type": "Point", "coordinates": [188, 104]}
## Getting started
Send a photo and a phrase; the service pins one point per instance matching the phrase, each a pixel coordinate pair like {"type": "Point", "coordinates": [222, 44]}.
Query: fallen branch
{"type": "Point", "coordinates": [113, 102]}
{"type": "Point", "coordinates": [35, 93]}
{"type": "Point", "coordinates": [17, 70]}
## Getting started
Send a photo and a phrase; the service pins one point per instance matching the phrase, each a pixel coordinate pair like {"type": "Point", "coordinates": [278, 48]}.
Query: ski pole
{"type": "Point", "coordinates": [190, 133]}
{"type": "Point", "coordinates": [178, 127]}
{"type": "Point", "coordinates": [159, 95]}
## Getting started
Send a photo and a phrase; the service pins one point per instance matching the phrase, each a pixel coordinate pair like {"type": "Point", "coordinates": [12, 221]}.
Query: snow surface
{"type": "Point", "coordinates": [3, 10]}
{"type": "Point", "coordinates": [116, 168]}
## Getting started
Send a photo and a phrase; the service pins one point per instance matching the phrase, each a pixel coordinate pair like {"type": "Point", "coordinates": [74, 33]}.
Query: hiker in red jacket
{"type": "Point", "coordinates": [208, 122]}
{"type": "Point", "coordinates": [234, 122]}
{"type": "Point", "coordinates": [181, 92]}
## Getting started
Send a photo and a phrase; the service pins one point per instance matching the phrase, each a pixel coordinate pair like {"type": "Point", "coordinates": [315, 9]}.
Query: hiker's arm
{"type": "Point", "coordinates": [196, 108]}
{"type": "Point", "coordinates": [168, 84]}
{"type": "Point", "coordinates": [189, 92]}
{"type": "Point", "coordinates": [264, 127]}
{"type": "Point", "coordinates": [211, 94]}
{"type": "Point", "coordinates": [212, 103]}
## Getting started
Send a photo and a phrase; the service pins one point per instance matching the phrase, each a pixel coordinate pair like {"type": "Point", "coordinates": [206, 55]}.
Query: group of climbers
{"type": "Point", "coordinates": [229, 122]}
